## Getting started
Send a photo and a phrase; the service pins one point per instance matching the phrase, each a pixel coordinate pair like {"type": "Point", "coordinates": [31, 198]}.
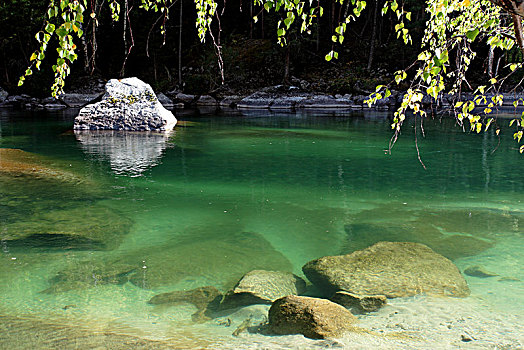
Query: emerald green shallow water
{"type": "Point", "coordinates": [125, 217]}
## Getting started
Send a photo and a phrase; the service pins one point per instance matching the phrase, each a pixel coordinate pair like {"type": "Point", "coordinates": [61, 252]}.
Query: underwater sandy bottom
{"type": "Point", "coordinates": [118, 317]}
{"type": "Point", "coordinates": [296, 189]}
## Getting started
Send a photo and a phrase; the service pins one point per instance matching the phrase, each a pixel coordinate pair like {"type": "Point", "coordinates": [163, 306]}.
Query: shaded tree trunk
{"type": "Point", "coordinates": [373, 36]}
{"type": "Point", "coordinates": [286, 68]}
{"type": "Point", "coordinates": [180, 48]}
{"type": "Point", "coordinates": [516, 9]}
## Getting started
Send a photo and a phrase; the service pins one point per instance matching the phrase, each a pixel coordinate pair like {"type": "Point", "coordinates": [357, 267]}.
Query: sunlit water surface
{"type": "Point", "coordinates": [129, 216]}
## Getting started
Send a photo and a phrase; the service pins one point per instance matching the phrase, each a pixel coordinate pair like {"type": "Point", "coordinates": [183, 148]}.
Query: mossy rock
{"type": "Point", "coordinates": [393, 269]}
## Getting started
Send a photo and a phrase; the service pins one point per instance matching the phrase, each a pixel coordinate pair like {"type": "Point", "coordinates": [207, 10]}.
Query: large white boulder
{"type": "Point", "coordinates": [128, 104]}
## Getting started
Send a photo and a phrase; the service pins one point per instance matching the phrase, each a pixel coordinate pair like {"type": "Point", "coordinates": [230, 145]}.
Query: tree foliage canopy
{"type": "Point", "coordinates": [446, 50]}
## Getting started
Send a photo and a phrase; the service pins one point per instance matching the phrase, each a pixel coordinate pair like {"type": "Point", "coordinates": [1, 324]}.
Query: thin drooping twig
{"type": "Point", "coordinates": [122, 71]}
{"type": "Point", "coordinates": [416, 144]}
{"type": "Point", "coordinates": [218, 47]}
{"type": "Point", "coordinates": [153, 27]}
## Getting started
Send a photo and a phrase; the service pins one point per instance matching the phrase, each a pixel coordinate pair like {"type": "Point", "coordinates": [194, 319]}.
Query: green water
{"type": "Point", "coordinates": [132, 216]}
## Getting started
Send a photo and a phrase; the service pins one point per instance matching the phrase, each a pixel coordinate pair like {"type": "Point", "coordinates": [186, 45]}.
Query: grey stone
{"type": "Point", "coordinates": [393, 269]}
{"type": "Point", "coordinates": [128, 104]}
{"type": "Point", "coordinates": [206, 100]}
{"type": "Point", "coordinates": [165, 101]}
{"type": "Point", "coordinates": [323, 101]}
{"type": "Point", "coordinates": [230, 101]}
{"type": "Point", "coordinates": [54, 106]}
{"type": "Point", "coordinates": [286, 102]}
{"type": "Point", "coordinates": [312, 317]}
{"type": "Point", "coordinates": [75, 100]}
{"type": "Point", "coordinates": [259, 99]}
{"type": "Point", "coordinates": [359, 100]}
{"type": "Point", "coordinates": [3, 95]}
{"type": "Point", "coordinates": [359, 303]}
{"type": "Point", "coordinates": [263, 287]}
{"type": "Point", "coordinates": [185, 99]}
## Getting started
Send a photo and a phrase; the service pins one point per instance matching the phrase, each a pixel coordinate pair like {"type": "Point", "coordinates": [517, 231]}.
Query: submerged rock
{"type": "Point", "coordinates": [263, 287]}
{"type": "Point", "coordinates": [202, 298]}
{"type": "Point", "coordinates": [452, 245]}
{"type": "Point", "coordinates": [219, 260]}
{"type": "Point", "coordinates": [312, 317]}
{"type": "Point", "coordinates": [83, 274]}
{"type": "Point", "coordinates": [128, 104]}
{"type": "Point", "coordinates": [479, 271]}
{"type": "Point", "coordinates": [393, 269]}
{"type": "Point", "coordinates": [89, 227]}
{"type": "Point", "coordinates": [15, 162]}
{"type": "Point", "coordinates": [359, 303]}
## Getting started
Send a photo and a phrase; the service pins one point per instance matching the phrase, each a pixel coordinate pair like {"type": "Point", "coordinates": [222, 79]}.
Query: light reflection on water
{"type": "Point", "coordinates": [225, 195]}
{"type": "Point", "coordinates": [129, 153]}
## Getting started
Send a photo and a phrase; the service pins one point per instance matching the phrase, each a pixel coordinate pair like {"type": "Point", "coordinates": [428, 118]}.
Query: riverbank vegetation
{"type": "Point", "coordinates": [425, 49]}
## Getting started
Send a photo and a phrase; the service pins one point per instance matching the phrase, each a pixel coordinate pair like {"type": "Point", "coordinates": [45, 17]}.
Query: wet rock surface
{"type": "Point", "coordinates": [128, 104]}
{"type": "Point", "coordinates": [393, 269]}
{"type": "Point", "coordinates": [312, 317]}
{"type": "Point", "coordinates": [202, 298]}
{"type": "Point", "coordinates": [359, 303]}
{"type": "Point", "coordinates": [263, 287]}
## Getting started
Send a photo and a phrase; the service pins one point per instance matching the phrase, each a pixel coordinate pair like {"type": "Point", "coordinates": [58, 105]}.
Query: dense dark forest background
{"type": "Point", "coordinates": [369, 54]}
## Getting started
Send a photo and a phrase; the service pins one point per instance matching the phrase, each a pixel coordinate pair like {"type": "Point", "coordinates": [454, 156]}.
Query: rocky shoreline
{"type": "Point", "coordinates": [273, 98]}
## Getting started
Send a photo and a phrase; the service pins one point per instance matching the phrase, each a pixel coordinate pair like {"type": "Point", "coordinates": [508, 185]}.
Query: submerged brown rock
{"type": "Point", "coordinates": [312, 317]}
{"type": "Point", "coordinates": [393, 269]}
{"type": "Point", "coordinates": [15, 162]}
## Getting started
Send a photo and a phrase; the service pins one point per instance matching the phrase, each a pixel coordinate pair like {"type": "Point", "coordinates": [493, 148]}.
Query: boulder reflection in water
{"type": "Point", "coordinates": [129, 153]}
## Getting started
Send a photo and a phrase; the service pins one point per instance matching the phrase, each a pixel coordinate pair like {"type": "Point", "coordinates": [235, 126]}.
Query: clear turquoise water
{"type": "Point", "coordinates": [224, 195]}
